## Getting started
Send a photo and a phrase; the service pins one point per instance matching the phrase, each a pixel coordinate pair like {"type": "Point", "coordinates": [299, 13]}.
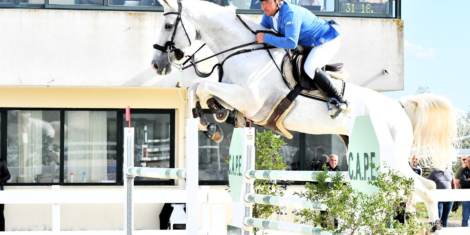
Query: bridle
{"type": "Point", "coordinates": [169, 46]}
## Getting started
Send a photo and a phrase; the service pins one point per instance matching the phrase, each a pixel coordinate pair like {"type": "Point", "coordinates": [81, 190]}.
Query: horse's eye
{"type": "Point", "coordinates": [168, 26]}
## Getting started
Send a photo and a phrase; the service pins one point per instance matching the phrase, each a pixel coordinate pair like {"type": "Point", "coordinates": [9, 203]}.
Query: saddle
{"type": "Point", "coordinates": [299, 83]}
{"type": "Point", "coordinates": [297, 58]}
{"type": "Point", "coordinates": [293, 70]}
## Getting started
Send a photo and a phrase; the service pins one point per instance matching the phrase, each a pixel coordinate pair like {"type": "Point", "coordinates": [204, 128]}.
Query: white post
{"type": "Point", "coordinates": [192, 176]}
{"type": "Point", "coordinates": [218, 218]}
{"type": "Point", "coordinates": [242, 160]}
{"type": "Point", "coordinates": [56, 211]}
{"type": "Point", "coordinates": [205, 211]}
{"type": "Point", "coordinates": [128, 180]}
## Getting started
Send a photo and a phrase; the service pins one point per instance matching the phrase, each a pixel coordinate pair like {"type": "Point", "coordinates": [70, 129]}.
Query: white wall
{"type": "Point", "coordinates": [114, 49]}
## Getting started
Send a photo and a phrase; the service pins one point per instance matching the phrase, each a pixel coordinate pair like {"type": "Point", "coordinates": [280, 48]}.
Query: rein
{"type": "Point", "coordinates": [191, 58]}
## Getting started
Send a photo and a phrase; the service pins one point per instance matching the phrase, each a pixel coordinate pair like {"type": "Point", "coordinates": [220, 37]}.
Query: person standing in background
{"type": "Point", "coordinates": [465, 183]}
{"type": "Point", "coordinates": [463, 159]}
{"type": "Point", "coordinates": [415, 165]}
{"type": "Point", "coordinates": [4, 177]}
{"type": "Point", "coordinates": [443, 180]}
{"type": "Point", "coordinates": [333, 163]}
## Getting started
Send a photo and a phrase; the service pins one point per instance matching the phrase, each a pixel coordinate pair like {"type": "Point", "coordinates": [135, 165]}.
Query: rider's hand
{"type": "Point", "coordinates": [260, 37]}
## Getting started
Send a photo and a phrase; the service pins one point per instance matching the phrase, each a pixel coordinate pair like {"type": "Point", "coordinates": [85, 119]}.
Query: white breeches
{"type": "Point", "coordinates": [320, 55]}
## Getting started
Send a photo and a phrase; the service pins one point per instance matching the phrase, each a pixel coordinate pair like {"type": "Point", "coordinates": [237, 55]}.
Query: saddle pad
{"type": "Point", "coordinates": [313, 94]}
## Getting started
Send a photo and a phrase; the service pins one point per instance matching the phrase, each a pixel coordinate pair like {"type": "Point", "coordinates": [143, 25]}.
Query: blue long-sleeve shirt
{"type": "Point", "coordinates": [299, 26]}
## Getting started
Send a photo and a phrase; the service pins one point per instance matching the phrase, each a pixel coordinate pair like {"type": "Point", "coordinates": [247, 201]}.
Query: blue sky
{"type": "Point", "coordinates": [437, 49]}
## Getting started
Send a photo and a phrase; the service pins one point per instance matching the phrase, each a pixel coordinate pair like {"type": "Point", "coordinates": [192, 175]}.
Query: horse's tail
{"type": "Point", "coordinates": [434, 122]}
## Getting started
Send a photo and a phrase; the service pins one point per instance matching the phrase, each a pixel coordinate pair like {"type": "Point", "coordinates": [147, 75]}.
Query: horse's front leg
{"type": "Point", "coordinates": [211, 130]}
{"type": "Point", "coordinates": [238, 97]}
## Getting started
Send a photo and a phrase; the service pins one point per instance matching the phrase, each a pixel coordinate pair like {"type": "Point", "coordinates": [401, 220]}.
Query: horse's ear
{"type": "Point", "coordinates": [198, 35]}
{"type": "Point", "coordinates": [169, 3]}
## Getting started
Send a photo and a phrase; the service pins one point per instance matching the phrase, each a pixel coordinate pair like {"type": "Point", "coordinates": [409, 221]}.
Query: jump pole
{"type": "Point", "coordinates": [190, 173]}
{"type": "Point", "coordinates": [241, 178]}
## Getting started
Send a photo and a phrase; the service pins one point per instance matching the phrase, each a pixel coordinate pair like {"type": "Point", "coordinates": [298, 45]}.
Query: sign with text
{"type": "Point", "coordinates": [241, 159]}
{"type": "Point", "coordinates": [236, 166]}
{"type": "Point", "coordinates": [370, 142]}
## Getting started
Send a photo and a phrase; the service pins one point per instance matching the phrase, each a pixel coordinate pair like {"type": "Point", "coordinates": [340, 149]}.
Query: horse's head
{"type": "Point", "coordinates": [175, 35]}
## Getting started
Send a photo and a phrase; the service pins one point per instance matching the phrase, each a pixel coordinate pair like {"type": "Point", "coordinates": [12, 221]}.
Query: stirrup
{"type": "Point", "coordinates": [337, 107]}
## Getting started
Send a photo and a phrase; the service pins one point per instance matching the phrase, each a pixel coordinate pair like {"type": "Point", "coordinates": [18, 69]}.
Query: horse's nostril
{"type": "Point", "coordinates": [155, 65]}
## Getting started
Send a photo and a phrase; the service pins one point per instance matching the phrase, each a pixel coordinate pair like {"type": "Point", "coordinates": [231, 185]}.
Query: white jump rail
{"type": "Point", "coordinates": [244, 164]}
{"type": "Point", "coordinates": [190, 174]}
{"type": "Point", "coordinates": [242, 176]}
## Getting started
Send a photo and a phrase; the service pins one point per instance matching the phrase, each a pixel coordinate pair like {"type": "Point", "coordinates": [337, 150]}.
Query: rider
{"type": "Point", "coordinates": [300, 26]}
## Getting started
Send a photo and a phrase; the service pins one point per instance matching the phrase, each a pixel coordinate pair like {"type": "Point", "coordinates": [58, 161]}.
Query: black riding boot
{"type": "Point", "coordinates": [323, 81]}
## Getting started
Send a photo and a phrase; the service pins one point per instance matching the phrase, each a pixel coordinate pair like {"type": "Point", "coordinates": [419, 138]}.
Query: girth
{"type": "Point", "coordinates": [299, 84]}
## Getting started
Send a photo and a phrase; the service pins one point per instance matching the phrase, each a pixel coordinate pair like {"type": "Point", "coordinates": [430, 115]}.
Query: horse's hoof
{"type": "Point", "coordinates": [214, 133]}
{"type": "Point", "coordinates": [437, 226]}
{"type": "Point", "coordinates": [220, 113]}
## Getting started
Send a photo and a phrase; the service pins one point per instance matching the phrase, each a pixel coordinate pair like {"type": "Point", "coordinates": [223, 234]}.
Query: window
{"type": "Point", "coordinates": [7, 1]}
{"type": "Point", "coordinates": [90, 147]}
{"type": "Point", "coordinates": [134, 3]}
{"type": "Point", "coordinates": [76, 2]}
{"type": "Point", "coordinates": [153, 141]}
{"type": "Point", "coordinates": [364, 6]}
{"type": "Point", "coordinates": [33, 144]}
{"type": "Point", "coordinates": [345, 8]}
{"type": "Point", "coordinates": [83, 147]}
{"type": "Point", "coordinates": [299, 153]}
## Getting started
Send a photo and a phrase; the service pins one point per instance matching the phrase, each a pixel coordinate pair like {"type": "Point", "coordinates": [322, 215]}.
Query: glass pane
{"type": "Point", "coordinates": [33, 146]}
{"type": "Point", "coordinates": [316, 5]}
{"type": "Point", "coordinates": [90, 147]}
{"type": "Point", "coordinates": [77, 2]}
{"type": "Point", "coordinates": [320, 147]}
{"type": "Point", "coordinates": [30, 1]}
{"type": "Point", "coordinates": [152, 135]}
{"type": "Point", "coordinates": [134, 3]}
{"type": "Point", "coordinates": [364, 6]}
{"type": "Point", "coordinates": [213, 156]}
{"type": "Point", "coordinates": [7, 2]}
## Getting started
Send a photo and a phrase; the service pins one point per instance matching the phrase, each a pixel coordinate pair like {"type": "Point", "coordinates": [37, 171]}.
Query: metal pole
{"type": "Point", "coordinates": [128, 181]}
{"type": "Point", "coordinates": [283, 201]}
{"type": "Point", "coordinates": [281, 226]}
{"type": "Point", "coordinates": [192, 176]}
{"type": "Point", "coordinates": [159, 173]}
{"type": "Point", "coordinates": [291, 175]}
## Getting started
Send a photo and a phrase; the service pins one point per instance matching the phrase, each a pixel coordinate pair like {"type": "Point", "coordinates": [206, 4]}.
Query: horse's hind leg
{"type": "Point", "coordinates": [426, 190]}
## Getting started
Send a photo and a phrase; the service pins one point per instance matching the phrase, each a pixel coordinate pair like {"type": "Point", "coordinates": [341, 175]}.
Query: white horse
{"type": "Point", "coordinates": [252, 85]}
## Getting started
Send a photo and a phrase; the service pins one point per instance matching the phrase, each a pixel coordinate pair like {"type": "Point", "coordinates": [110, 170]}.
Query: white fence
{"type": "Point", "coordinates": [215, 199]}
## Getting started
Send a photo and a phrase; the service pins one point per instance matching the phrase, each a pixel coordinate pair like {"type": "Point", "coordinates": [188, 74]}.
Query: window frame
{"type": "Point", "coordinates": [394, 9]}
{"type": "Point", "coordinates": [171, 112]}
{"type": "Point", "coordinates": [119, 142]}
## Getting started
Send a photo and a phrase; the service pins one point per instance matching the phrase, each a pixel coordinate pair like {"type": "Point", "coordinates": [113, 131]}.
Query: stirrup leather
{"type": "Point", "coordinates": [337, 107]}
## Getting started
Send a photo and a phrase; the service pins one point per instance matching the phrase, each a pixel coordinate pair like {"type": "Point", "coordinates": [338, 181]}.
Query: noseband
{"type": "Point", "coordinates": [170, 45]}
